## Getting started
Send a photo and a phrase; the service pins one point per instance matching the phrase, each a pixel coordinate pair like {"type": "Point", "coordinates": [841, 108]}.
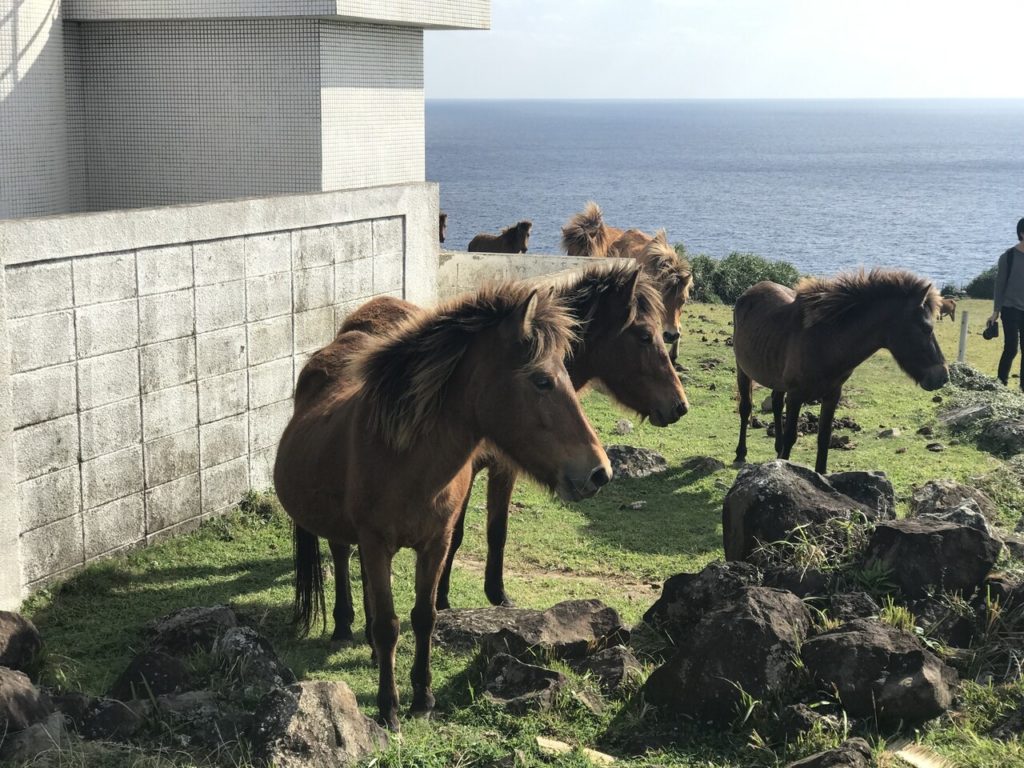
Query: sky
{"type": "Point", "coordinates": [701, 49]}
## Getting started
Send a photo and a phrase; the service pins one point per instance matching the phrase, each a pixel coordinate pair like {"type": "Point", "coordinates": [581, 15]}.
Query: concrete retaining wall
{"type": "Point", "coordinates": [461, 271]}
{"type": "Point", "coordinates": [147, 358]}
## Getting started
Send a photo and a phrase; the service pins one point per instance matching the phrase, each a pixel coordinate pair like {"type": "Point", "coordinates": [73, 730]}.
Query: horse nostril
{"type": "Point", "coordinates": [599, 477]}
{"type": "Point", "coordinates": [670, 336]}
{"type": "Point", "coordinates": [681, 409]}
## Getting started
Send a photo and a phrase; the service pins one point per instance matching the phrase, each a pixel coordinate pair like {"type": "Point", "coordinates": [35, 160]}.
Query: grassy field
{"type": "Point", "coordinates": [600, 548]}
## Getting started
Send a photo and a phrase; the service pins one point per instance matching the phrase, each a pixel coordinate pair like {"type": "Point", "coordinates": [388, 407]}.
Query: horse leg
{"type": "Point", "coordinates": [745, 386]}
{"type": "Point", "coordinates": [377, 558]}
{"type": "Point", "coordinates": [446, 576]}
{"type": "Point", "coordinates": [778, 400]}
{"type": "Point", "coordinates": [367, 607]}
{"type": "Point", "coordinates": [673, 353]}
{"type": "Point", "coordinates": [501, 479]}
{"type": "Point", "coordinates": [429, 562]}
{"type": "Point", "coordinates": [344, 612]}
{"type": "Point", "coordinates": [828, 410]}
{"type": "Point", "coordinates": [793, 405]}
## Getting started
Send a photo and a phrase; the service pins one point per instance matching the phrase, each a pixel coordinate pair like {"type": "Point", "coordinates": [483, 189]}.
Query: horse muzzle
{"type": "Point", "coordinates": [571, 488]}
{"type": "Point", "coordinates": [935, 378]}
{"type": "Point", "coordinates": [663, 417]}
{"type": "Point", "coordinates": [670, 336]}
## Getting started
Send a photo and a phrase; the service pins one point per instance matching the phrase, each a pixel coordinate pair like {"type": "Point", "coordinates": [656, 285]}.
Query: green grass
{"type": "Point", "coordinates": [599, 548]}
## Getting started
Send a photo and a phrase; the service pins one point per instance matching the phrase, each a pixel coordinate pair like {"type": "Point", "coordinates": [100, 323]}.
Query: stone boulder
{"type": "Point", "coordinates": [748, 644]}
{"type": "Point", "coordinates": [251, 662]}
{"type": "Point", "coordinates": [314, 724]}
{"type": "Point", "coordinates": [802, 582]}
{"type": "Point", "coordinates": [571, 629]}
{"type": "Point", "coordinates": [21, 703]}
{"type": "Point", "coordinates": [872, 489]}
{"type": "Point", "coordinates": [19, 641]}
{"type": "Point", "coordinates": [203, 717]}
{"type": "Point", "coordinates": [936, 497]}
{"type": "Point", "coordinates": [880, 672]}
{"type": "Point", "coordinates": [964, 376]}
{"type": "Point", "coordinates": [767, 502]}
{"type": "Point", "coordinates": [151, 673]}
{"type": "Point", "coordinates": [687, 597]}
{"type": "Point", "coordinates": [966, 416]}
{"type": "Point", "coordinates": [28, 746]}
{"type": "Point", "coordinates": [616, 669]}
{"type": "Point", "coordinates": [519, 687]}
{"type": "Point", "coordinates": [924, 554]}
{"type": "Point", "coordinates": [190, 629]}
{"type": "Point", "coordinates": [1004, 437]}
{"type": "Point", "coordinates": [699, 466]}
{"type": "Point", "coordinates": [968, 515]}
{"type": "Point", "coordinates": [853, 753]}
{"type": "Point", "coordinates": [629, 461]}
{"type": "Point", "coordinates": [847, 606]}
{"type": "Point", "coordinates": [115, 720]}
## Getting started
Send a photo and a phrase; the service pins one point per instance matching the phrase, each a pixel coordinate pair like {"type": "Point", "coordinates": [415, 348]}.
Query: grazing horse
{"type": "Point", "coordinates": [442, 225]}
{"type": "Point", "coordinates": [379, 449]}
{"type": "Point", "coordinates": [619, 311]}
{"type": "Point", "coordinates": [586, 234]}
{"type": "Point", "coordinates": [511, 240]}
{"type": "Point", "coordinates": [948, 309]}
{"type": "Point", "coordinates": [804, 344]}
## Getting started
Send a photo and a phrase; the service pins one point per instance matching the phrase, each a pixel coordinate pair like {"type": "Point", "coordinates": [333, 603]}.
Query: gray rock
{"type": "Point", "coordinates": [687, 597]}
{"type": "Point", "coordinates": [1014, 543]}
{"type": "Point", "coordinates": [965, 377]}
{"type": "Point", "coordinates": [796, 719]}
{"type": "Point", "coordinates": [21, 703]}
{"type": "Point", "coordinates": [616, 669]}
{"type": "Point", "coordinates": [873, 489]}
{"type": "Point", "coordinates": [938, 496]}
{"type": "Point", "coordinates": [114, 720]}
{"type": "Point", "coordinates": [623, 427]}
{"type": "Point", "coordinates": [968, 515]}
{"type": "Point", "coordinates": [251, 662]}
{"type": "Point", "coordinates": [1004, 437]}
{"type": "Point", "coordinates": [767, 502]}
{"type": "Point", "coordinates": [924, 554]}
{"type": "Point", "coordinates": [314, 725]}
{"type": "Point", "coordinates": [802, 582]}
{"type": "Point", "coordinates": [748, 644]}
{"type": "Point", "coordinates": [702, 465]}
{"type": "Point", "coordinates": [19, 642]}
{"type": "Point", "coordinates": [151, 673]}
{"type": "Point", "coordinates": [880, 672]}
{"type": "Point", "coordinates": [201, 717]}
{"type": "Point", "coordinates": [854, 753]}
{"type": "Point", "coordinates": [965, 416]}
{"type": "Point", "coordinates": [27, 746]}
{"type": "Point", "coordinates": [889, 432]}
{"type": "Point", "coordinates": [847, 606]}
{"type": "Point", "coordinates": [629, 461]}
{"type": "Point", "coordinates": [570, 629]}
{"type": "Point", "coordinates": [191, 629]}
{"type": "Point", "coordinates": [519, 687]}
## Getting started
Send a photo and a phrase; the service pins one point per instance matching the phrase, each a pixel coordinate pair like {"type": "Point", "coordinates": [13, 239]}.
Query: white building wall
{"type": "Point", "coordinates": [33, 125]}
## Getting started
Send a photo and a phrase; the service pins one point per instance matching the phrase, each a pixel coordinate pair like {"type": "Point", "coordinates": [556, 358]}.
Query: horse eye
{"type": "Point", "coordinates": [542, 381]}
{"type": "Point", "coordinates": [646, 338]}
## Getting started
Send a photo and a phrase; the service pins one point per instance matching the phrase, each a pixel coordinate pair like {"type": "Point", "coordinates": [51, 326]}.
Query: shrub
{"type": "Point", "coordinates": [717, 281]}
{"type": "Point", "coordinates": [983, 286]}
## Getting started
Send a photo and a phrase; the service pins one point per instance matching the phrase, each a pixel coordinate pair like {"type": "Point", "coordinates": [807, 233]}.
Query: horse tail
{"type": "Point", "coordinates": [583, 234]}
{"type": "Point", "coordinates": [309, 581]}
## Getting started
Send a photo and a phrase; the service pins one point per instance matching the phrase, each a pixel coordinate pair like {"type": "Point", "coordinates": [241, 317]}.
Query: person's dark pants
{"type": "Point", "coordinates": [1013, 339]}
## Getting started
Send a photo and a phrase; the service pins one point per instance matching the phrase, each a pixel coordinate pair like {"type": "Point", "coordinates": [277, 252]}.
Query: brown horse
{"type": "Point", "coordinates": [805, 344]}
{"type": "Point", "coordinates": [619, 310]}
{"type": "Point", "coordinates": [442, 225]}
{"type": "Point", "coordinates": [586, 234]}
{"type": "Point", "coordinates": [511, 240]}
{"type": "Point", "coordinates": [948, 309]}
{"type": "Point", "coordinates": [379, 450]}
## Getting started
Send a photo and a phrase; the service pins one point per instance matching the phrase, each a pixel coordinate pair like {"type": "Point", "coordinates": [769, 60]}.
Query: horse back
{"type": "Point", "coordinates": [379, 315]}
{"type": "Point", "coordinates": [326, 368]}
{"type": "Point", "coordinates": [629, 244]}
{"type": "Point", "coordinates": [766, 323]}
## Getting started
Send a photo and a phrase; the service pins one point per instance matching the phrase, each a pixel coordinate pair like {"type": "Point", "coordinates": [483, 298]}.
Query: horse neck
{"type": "Point", "coordinates": [584, 360]}
{"type": "Point", "coordinates": [440, 453]}
{"type": "Point", "coordinates": [860, 338]}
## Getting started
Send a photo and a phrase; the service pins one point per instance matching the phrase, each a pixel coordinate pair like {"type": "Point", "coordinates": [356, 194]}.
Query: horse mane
{"type": "Point", "coordinates": [826, 300]}
{"type": "Point", "coordinates": [516, 227]}
{"type": "Point", "coordinates": [405, 373]}
{"type": "Point", "coordinates": [582, 291]}
{"type": "Point", "coordinates": [664, 263]}
{"type": "Point", "coordinates": [585, 234]}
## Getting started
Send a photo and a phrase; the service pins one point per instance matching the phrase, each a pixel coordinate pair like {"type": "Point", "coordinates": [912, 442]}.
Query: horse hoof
{"type": "Point", "coordinates": [443, 605]}
{"type": "Point", "coordinates": [391, 723]}
{"type": "Point", "coordinates": [422, 714]}
{"type": "Point", "coordinates": [507, 602]}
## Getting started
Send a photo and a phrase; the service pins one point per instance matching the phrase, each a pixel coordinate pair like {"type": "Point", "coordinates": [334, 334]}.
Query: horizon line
{"type": "Point", "coordinates": [726, 98]}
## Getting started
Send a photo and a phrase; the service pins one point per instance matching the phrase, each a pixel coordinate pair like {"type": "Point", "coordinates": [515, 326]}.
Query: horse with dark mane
{"type": "Point", "coordinates": [619, 311]}
{"type": "Point", "coordinates": [442, 226]}
{"type": "Point", "coordinates": [379, 449]}
{"type": "Point", "coordinates": [586, 234]}
{"type": "Point", "coordinates": [511, 240]}
{"type": "Point", "coordinates": [805, 343]}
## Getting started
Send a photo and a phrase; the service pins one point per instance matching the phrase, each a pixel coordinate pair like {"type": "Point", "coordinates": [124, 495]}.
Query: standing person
{"type": "Point", "coordinates": [1009, 304]}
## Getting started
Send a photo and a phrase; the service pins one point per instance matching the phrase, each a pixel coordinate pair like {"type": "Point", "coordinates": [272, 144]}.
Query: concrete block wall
{"type": "Point", "coordinates": [461, 271]}
{"type": "Point", "coordinates": [152, 355]}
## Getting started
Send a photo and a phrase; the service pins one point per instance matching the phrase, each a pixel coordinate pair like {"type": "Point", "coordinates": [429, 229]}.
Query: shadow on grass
{"type": "Point", "coordinates": [682, 513]}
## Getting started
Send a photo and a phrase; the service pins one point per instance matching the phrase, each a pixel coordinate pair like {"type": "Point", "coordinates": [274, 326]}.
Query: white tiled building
{"type": "Point", "coordinates": [193, 193]}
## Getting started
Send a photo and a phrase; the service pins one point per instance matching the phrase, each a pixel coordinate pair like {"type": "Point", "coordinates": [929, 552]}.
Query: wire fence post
{"type": "Point", "coordinates": [962, 353]}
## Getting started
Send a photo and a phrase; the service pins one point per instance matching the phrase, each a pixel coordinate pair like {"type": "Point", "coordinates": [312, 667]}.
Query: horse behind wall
{"type": "Point", "coordinates": [512, 239]}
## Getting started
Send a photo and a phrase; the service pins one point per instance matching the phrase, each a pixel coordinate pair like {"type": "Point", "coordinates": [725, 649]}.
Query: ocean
{"type": "Point", "coordinates": [932, 186]}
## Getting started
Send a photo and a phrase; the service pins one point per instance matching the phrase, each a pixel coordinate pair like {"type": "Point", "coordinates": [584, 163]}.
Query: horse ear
{"type": "Point", "coordinates": [521, 321]}
{"type": "Point", "coordinates": [661, 236]}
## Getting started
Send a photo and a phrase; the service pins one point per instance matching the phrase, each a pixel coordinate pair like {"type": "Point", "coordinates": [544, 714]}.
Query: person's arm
{"type": "Point", "coordinates": [997, 295]}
